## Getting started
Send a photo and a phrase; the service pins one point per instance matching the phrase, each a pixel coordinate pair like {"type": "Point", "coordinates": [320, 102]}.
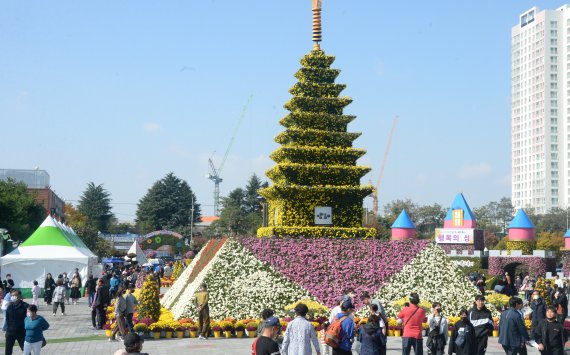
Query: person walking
{"type": "Point", "coordinates": [538, 307]}
{"type": "Point", "coordinates": [66, 284]}
{"type": "Point", "coordinates": [90, 286]}
{"type": "Point", "coordinates": [462, 340]}
{"type": "Point", "coordinates": [300, 334]}
{"type": "Point", "coordinates": [346, 328]}
{"type": "Point", "coordinates": [49, 287]}
{"type": "Point", "coordinates": [35, 326]}
{"type": "Point", "coordinates": [15, 327]}
{"type": "Point", "coordinates": [550, 335]}
{"type": "Point", "coordinates": [482, 320]}
{"type": "Point", "coordinates": [201, 301]}
{"type": "Point", "coordinates": [560, 301]}
{"type": "Point", "coordinates": [6, 298]}
{"type": "Point", "coordinates": [59, 297]}
{"type": "Point", "coordinates": [412, 317]}
{"type": "Point", "coordinates": [35, 293]}
{"type": "Point", "coordinates": [371, 336]}
{"type": "Point", "coordinates": [130, 301]}
{"type": "Point", "coordinates": [75, 294]}
{"type": "Point", "coordinates": [512, 332]}
{"type": "Point", "coordinates": [113, 285]}
{"type": "Point", "coordinates": [438, 333]}
{"type": "Point", "coordinates": [265, 344]}
{"type": "Point", "coordinates": [120, 314]}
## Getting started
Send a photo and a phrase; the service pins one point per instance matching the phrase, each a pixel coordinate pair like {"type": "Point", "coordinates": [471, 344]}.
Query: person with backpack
{"type": "Point", "coordinates": [300, 334]}
{"type": "Point", "coordinates": [340, 333]}
{"type": "Point", "coordinates": [264, 344]}
{"type": "Point", "coordinates": [370, 336]}
{"type": "Point", "coordinates": [512, 332]}
{"type": "Point", "coordinates": [437, 336]}
{"type": "Point", "coordinates": [59, 297]}
{"type": "Point", "coordinates": [550, 334]}
{"type": "Point", "coordinates": [412, 318]}
{"type": "Point", "coordinates": [482, 320]}
{"type": "Point", "coordinates": [462, 341]}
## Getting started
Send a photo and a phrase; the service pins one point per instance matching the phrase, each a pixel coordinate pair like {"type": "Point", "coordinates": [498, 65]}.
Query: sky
{"type": "Point", "coordinates": [122, 93]}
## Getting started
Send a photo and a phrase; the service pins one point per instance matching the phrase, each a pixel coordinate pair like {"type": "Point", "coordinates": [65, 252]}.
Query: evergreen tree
{"type": "Point", "coordinates": [95, 204]}
{"type": "Point", "coordinates": [316, 163]}
{"type": "Point", "coordinates": [167, 205]}
{"type": "Point", "coordinates": [149, 304]}
{"type": "Point", "coordinates": [19, 214]}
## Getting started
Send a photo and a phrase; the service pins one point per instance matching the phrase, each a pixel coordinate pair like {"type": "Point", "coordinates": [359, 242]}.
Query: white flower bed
{"type": "Point", "coordinates": [240, 286]}
{"type": "Point", "coordinates": [463, 263]}
{"type": "Point", "coordinates": [435, 278]}
{"type": "Point", "coordinates": [180, 283]}
{"type": "Point", "coordinates": [186, 299]}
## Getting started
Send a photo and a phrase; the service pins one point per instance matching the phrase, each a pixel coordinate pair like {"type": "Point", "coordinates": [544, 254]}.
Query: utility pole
{"type": "Point", "coordinates": [192, 222]}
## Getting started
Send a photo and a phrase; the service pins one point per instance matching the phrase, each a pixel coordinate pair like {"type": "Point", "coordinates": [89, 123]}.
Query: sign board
{"type": "Point", "coordinates": [323, 215]}
{"type": "Point", "coordinates": [454, 236]}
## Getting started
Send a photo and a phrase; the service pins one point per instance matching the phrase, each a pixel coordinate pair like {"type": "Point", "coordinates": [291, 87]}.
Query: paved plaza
{"type": "Point", "coordinates": [73, 334]}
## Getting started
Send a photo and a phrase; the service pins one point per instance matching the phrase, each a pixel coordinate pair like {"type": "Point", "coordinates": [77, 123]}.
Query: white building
{"type": "Point", "coordinates": [540, 115]}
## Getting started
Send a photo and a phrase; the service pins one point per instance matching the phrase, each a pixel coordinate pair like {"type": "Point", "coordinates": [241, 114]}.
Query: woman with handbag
{"type": "Point", "coordinates": [75, 286]}
{"type": "Point", "coordinates": [437, 336]}
{"type": "Point", "coordinates": [35, 326]}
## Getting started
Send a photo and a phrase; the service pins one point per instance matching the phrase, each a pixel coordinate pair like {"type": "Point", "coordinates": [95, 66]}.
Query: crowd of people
{"type": "Point", "coordinates": [469, 335]}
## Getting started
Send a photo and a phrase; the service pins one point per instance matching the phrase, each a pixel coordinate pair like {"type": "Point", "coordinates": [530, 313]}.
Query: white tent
{"type": "Point", "coordinates": [136, 250]}
{"type": "Point", "coordinates": [53, 248]}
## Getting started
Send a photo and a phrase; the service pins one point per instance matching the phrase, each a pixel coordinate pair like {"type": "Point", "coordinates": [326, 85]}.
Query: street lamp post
{"type": "Point", "coordinates": [192, 222]}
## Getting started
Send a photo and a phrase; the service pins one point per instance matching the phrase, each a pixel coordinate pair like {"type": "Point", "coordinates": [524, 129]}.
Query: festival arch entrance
{"type": "Point", "coordinates": [163, 243]}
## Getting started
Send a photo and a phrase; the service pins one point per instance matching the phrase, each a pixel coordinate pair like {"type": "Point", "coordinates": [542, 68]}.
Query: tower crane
{"type": "Point", "coordinates": [215, 173]}
{"type": "Point", "coordinates": [386, 152]}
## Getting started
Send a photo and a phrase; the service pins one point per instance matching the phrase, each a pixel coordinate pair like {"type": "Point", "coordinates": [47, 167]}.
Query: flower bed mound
{"type": "Point", "coordinates": [327, 267]}
{"type": "Point", "coordinates": [435, 278]}
{"type": "Point", "coordinates": [241, 286]}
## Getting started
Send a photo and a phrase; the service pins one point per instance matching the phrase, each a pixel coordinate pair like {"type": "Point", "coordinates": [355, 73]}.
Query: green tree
{"type": "Point", "coordinates": [428, 218]}
{"type": "Point", "coordinates": [552, 221]}
{"type": "Point", "coordinates": [88, 232]}
{"type": "Point", "coordinates": [19, 214]}
{"type": "Point", "coordinates": [167, 205]}
{"type": "Point", "coordinates": [550, 241]}
{"type": "Point", "coordinates": [95, 204]}
{"type": "Point", "coordinates": [252, 196]}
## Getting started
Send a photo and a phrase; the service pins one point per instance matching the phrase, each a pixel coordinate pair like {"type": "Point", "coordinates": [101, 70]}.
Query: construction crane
{"type": "Point", "coordinates": [215, 174]}
{"type": "Point", "coordinates": [386, 152]}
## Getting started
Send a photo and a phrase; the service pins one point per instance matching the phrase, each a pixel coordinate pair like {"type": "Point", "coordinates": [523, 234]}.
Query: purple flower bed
{"type": "Point", "coordinates": [326, 267]}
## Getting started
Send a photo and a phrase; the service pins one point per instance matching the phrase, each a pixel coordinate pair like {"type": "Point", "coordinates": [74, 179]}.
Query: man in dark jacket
{"type": "Point", "coordinates": [482, 320]}
{"type": "Point", "coordinates": [15, 315]}
{"type": "Point", "coordinates": [512, 332]}
{"type": "Point", "coordinates": [561, 303]}
{"type": "Point", "coordinates": [100, 302]}
{"type": "Point", "coordinates": [549, 334]}
{"type": "Point", "coordinates": [538, 307]}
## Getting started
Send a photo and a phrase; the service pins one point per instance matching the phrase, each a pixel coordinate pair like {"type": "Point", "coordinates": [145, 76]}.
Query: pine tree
{"type": "Point", "coordinates": [316, 163]}
{"type": "Point", "coordinates": [149, 304]}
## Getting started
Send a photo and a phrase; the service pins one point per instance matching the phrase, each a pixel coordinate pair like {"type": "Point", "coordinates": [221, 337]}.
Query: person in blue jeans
{"type": "Point", "coordinates": [346, 329]}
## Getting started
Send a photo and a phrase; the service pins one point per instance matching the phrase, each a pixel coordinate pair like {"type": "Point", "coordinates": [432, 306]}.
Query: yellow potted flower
{"type": "Point", "coordinates": [251, 329]}
{"type": "Point", "coordinates": [228, 328]}
{"type": "Point", "coordinates": [155, 328]}
{"type": "Point", "coordinates": [239, 328]}
{"type": "Point", "coordinates": [217, 329]}
{"type": "Point", "coordinates": [192, 330]}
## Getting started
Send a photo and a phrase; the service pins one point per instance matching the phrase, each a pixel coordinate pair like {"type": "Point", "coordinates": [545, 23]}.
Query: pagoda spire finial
{"type": "Point", "coordinates": [317, 28]}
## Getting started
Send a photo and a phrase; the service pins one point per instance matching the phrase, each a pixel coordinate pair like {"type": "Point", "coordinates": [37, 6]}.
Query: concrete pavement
{"type": "Point", "coordinates": [77, 324]}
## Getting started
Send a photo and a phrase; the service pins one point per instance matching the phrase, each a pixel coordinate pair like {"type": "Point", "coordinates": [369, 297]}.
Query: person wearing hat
{"type": "Point", "coordinates": [412, 318]}
{"type": "Point", "coordinates": [300, 334]}
{"type": "Point", "coordinates": [265, 345]}
{"type": "Point", "coordinates": [346, 328]}
{"type": "Point", "coordinates": [482, 321]}
{"type": "Point", "coordinates": [133, 345]}
{"type": "Point", "coordinates": [201, 301]}
{"type": "Point", "coordinates": [367, 300]}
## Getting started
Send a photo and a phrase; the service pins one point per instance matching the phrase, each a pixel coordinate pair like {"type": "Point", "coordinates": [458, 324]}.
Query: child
{"type": "Point", "coordinates": [35, 293]}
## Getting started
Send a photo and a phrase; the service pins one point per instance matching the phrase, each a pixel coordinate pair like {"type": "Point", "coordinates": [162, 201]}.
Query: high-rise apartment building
{"type": "Point", "coordinates": [540, 115]}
